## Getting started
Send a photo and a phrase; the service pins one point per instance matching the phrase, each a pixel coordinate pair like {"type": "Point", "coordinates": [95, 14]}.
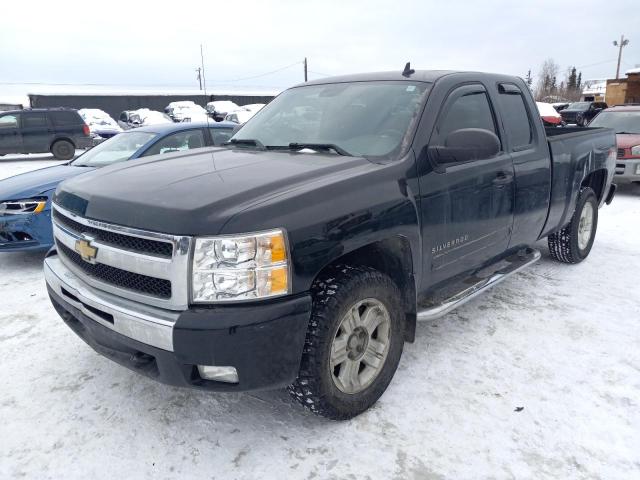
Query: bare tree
{"type": "Point", "coordinates": [546, 87]}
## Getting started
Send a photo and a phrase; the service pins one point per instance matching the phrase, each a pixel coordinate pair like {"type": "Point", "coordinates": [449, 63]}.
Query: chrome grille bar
{"type": "Point", "coordinates": [174, 269]}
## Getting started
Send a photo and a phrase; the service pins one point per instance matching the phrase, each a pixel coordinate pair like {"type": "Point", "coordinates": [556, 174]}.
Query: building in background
{"type": "Point", "coordinates": [114, 100]}
{"type": "Point", "coordinates": [594, 90]}
{"type": "Point", "coordinates": [624, 90]}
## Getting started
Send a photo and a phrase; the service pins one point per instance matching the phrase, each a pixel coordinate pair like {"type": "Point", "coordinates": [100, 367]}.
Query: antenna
{"type": "Point", "coordinates": [408, 71]}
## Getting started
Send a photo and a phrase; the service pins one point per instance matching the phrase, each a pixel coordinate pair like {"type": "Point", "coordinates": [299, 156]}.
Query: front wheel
{"type": "Point", "coordinates": [354, 342]}
{"type": "Point", "coordinates": [573, 243]}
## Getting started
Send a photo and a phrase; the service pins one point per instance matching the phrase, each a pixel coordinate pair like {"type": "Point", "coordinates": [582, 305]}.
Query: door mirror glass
{"type": "Point", "coordinates": [467, 144]}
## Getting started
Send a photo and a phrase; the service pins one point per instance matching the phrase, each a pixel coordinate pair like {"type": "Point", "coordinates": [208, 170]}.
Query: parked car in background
{"type": "Point", "coordinates": [550, 117]}
{"type": "Point", "coordinates": [559, 106]}
{"type": "Point", "coordinates": [57, 130]}
{"type": "Point", "coordinates": [101, 125]}
{"type": "Point", "coordinates": [220, 108]}
{"type": "Point", "coordinates": [581, 113]}
{"type": "Point", "coordinates": [142, 117]}
{"type": "Point", "coordinates": [186, 110]}
{"type": "Point", "coordinates": [25, 205]}
{"type": "Point", "coordinates": [625, 120]}
{"type": "Point", "coordinates": [239, 116]}
{"type": "Point", "coordinates": [253, 107]}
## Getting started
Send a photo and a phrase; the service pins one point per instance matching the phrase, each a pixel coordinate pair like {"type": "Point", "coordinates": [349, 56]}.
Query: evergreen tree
{"type": "Point", "coordinates": [572, 79]}
{"type": "Point", "coordinates": [579, 83]}
{"type": "Point", "coordinates": [529, 79]}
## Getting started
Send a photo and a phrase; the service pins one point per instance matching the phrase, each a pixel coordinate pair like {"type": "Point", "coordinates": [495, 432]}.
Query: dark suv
{"type": "Point", "coordinates": [581, 113]}
{"type": "Point", "coordinates": [59, 131]}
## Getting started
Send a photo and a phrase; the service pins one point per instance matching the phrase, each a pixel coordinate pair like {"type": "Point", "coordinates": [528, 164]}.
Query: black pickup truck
{"type": "Point", "coordinates": [304, 252]}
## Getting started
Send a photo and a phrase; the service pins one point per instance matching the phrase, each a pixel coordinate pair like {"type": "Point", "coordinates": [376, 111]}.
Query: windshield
{"type": "Point", "coordinates": [360, 118]}
{"type": "Point", "coordinates": [621, 122]}
{"type": "Point", "coordinates": [116, 149]}
{"type": "Point", "coordinates": [579, 106]}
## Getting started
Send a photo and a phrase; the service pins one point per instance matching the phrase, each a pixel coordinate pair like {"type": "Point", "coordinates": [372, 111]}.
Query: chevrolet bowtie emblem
{"type": "Point", "coordinates": [86, 251]}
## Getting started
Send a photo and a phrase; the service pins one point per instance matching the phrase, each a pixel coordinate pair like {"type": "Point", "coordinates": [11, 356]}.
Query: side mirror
{"type": "Point", "coordinates": [467, 144]}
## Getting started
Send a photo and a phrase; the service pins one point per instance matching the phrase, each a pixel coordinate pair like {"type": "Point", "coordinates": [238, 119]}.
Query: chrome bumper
{"type": "Point", "coordinates": [628, 169]}
{"type": "Point", "coordinates": [146, 324]}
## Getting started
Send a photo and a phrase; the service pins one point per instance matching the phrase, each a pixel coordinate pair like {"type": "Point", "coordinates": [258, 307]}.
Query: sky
{"type": "Point", "coordinates": [144, 43]}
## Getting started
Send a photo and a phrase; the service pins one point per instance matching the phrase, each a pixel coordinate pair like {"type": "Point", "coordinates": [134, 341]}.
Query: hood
{"type": "Point", "coordinates": [197, 193]}
{"type": "Point", "coordinates": [37, 182]}
{"type": "Point", "coordinates": [627, 140]}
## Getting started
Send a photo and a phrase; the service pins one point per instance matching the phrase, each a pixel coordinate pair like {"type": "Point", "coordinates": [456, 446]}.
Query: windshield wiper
{"type": "Point", "coordinates": [245, 141]}
{"type": "Point", "coordinates": [320, 146]}
{"type": "Point", "coordinates": [627, 133]}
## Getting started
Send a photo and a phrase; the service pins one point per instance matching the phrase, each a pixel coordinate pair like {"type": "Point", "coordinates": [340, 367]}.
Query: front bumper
{"type": "Point", "coordinates": [628, 169]}
{"type": "Point", "coordinates": [30, 231]}
{"type": "Point", "coordinates": [262, 342]}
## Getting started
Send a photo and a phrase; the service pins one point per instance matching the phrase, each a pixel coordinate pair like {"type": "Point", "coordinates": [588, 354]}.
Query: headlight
{"type": "Point", "coordinates": [635, 150]}
{"type": "Point", "coordinates": [240, 267]}
{"type": "Point", "coordinates": [30, 205]}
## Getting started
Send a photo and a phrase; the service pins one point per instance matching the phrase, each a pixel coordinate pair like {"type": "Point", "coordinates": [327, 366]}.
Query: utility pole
{"type": "Point", "coordinates": [623, 43]}
{"type": "Point", "coordinates": [305, 69]}
{"type": "Point", "coordinates": [199, 70]}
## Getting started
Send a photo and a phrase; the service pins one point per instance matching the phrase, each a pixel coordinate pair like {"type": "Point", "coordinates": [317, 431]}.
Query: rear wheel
{"type": "Point", "coordinates": [353, 343]}
{"type": "Point", "coordinates": [573, 243]}
{"type": "Point", "coordinates": [63, 150]}
{"type": "Point", "coordinates": [584, 122]}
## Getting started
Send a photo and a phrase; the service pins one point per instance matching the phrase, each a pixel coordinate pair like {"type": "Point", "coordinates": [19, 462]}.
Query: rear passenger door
{"type": "Point", "coordinates": [37, 136]}
{"type": "Point", "coordinates": [467, 208]}
{"type": "Point", "coordinates": [526, 142]}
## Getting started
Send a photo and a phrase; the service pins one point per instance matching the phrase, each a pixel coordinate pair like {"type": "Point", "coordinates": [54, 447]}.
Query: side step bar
{"type": "Point", "coordinates": [507, 267]}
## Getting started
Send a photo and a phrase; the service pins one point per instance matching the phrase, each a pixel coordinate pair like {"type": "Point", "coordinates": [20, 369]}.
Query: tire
{"type": "Point", "coordinates": [63, 150]}
{"type": "Point", "coordinates": [584, 122]}
{"type": "Point", "coordinates": [573, 243]}
{"type": "Point", "coordinates": [345, 384]}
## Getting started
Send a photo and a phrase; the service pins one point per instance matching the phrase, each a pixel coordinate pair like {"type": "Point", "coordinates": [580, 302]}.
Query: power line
{"type": "Point", "coordinates": [597, 63]}
{"type": "Point", "coordinates": [319, 73]}
{"type": "Point", "coordinates": [263, 74]}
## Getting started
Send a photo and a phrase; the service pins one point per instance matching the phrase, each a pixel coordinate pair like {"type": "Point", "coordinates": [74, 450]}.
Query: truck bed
{"type": "Point", "coordinates": [573, 149]}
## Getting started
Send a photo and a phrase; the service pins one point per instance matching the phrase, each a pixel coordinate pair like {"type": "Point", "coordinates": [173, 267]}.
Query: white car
{"type": "Point", "coordinates": [550, 116]}
{"type": "Point", "coordinates": [186, 110]}
{"type": "Point", "coordinates": [253, 107]}
{"type": "Point", "coordinates": [101, 125]}
{"type": "Point", "coordinates": [239, 116]}
{"type": "Point", "coordinates": [219, 109]}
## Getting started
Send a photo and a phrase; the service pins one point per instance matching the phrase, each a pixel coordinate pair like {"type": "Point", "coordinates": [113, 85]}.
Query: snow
{"type": "Point", "coordinates": [547, 110]}
{"type": "Point", "coordinates": [98, 119]}
{"type": "Point", "coordinates": [560, 341]}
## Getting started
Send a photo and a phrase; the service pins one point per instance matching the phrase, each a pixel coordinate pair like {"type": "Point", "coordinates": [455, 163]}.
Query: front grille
{"type": "Point", "coordinates": [156, 287]}
{"type": "Point", "coordinates": [135, 244]}
{"type": "Point", "coordinates": [620, 152]}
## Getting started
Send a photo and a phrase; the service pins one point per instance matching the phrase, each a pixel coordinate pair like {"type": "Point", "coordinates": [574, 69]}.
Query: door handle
{"type": "Point", "coordinates": [502, 178]}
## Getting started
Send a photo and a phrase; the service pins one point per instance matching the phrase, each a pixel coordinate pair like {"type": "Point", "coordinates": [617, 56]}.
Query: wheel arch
{"type": "Point", "coordinates": [596, 180]}
{"type": "Point", "coordinates": [392, 256]}
{"type": "Point", "coordinates": [57, 139]}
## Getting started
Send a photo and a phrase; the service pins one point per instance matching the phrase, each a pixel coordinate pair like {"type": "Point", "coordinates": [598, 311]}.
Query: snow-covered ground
{"type": "Point", "coordinates": [561, 342]}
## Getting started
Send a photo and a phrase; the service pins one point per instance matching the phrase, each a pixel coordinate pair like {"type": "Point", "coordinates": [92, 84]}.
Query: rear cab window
{"type": "Point", "coordinates": [515, 116]}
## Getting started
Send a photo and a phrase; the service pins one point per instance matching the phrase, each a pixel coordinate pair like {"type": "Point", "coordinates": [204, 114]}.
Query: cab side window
{"type": "Point", "coordinates": [515, 116]}
{"type": "Point", "coordinates": [468, 111]}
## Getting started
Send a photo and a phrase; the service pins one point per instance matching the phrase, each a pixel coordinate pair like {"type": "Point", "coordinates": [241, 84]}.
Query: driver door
{"type": "Point", "coordinates": [467, 208]}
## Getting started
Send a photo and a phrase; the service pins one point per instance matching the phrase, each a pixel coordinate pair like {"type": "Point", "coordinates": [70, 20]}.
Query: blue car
{"type": "Point", "coordinates": [25, 200]}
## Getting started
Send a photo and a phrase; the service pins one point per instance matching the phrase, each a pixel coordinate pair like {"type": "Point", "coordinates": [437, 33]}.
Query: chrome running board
{"type": "Point", "coordinates": [482, 281]}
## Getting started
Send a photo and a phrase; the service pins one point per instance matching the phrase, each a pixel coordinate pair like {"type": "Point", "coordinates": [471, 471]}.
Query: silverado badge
{"type": "Point", "coordinates": [86, 251]}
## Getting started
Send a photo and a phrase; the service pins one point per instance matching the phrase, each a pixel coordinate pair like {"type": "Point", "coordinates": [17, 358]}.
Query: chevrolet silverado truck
{"type": "Point", "coordinates": [303, 253]}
